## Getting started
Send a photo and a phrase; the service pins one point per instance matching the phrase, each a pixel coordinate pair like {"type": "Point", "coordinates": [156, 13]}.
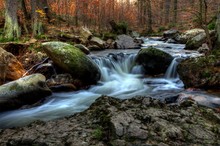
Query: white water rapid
{"type": "Point", "coordinates": [120, 78]}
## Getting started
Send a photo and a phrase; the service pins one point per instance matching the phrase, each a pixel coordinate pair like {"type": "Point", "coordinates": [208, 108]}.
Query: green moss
{"type": "Point", "coordinates": [206, 74]}
{"type": "Point", "coordinates": [161, 29]}
{"type": "Point", "coordinates": [16, 87]}
{"type": "Point", "coordinates": [98, 133]}
{"type": "Point", "coordinates": [109, 35]}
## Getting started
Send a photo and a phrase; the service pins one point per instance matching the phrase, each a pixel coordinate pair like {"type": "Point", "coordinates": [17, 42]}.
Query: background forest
{"type": "Point", "coordinates": [146, 16]}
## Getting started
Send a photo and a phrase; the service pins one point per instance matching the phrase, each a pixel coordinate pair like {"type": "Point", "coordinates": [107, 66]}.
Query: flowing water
{"type": "Point", "coordinates": [120, 78]}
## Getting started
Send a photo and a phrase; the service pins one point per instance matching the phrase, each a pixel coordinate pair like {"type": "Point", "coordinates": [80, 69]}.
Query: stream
{"type": "Point", "coordinates": [120, 78]}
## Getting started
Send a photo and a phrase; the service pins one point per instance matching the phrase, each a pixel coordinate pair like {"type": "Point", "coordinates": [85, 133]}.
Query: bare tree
{"type": "Point", "coordinates": [167, 11]}
{"type": "Point", "coordinates": [149, 13]}
{"type": "Point", "coordinates": [175, 4]}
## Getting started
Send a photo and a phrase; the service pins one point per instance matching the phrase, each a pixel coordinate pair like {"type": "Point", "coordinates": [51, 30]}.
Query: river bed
{"type": "Point", "coordinates": [120, 78]}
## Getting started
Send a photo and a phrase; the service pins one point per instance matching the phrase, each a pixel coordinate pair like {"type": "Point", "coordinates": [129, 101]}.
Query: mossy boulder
{"type": "Point", "coordinates": [72, 60]}
{"type": "Point", "coordinates": [153, 60]}
{"type": "Point", "coordinates": [203, 72]}
{"type": "Point", "coordinates": [26, 90]}
{"type": "Point", "coordinates": [196, 42]}
{"type": "Point", "coordinates": [189, 34]}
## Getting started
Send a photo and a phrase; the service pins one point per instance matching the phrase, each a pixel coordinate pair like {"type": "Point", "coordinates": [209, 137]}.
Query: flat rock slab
{"type": "Point", "coordinates": [109, 121]}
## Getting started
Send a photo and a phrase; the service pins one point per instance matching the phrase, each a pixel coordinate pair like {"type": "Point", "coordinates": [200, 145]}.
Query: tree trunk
{"type": "Point", "coordinates": [217, 44]}
{"type": "Point", "coordinates": [24, 9]}
{"type": "Point", "coordinates": [149, 13]}
{"type": "Point", "coordinates": [37, 25]}
{"type": "Point", "coordinates": [76, 13]}
{"type": "Point", "coordinates": [175, 2]}
{"type": "Point", "coordinates": [11, 28]}
{"type": "Point", "coordinates": [167, 11]}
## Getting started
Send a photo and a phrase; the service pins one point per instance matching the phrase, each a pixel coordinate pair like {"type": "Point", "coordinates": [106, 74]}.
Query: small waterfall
{"type": "Point", "coordinates": [120, 78]}
{"type": "Point", "coordinates": [116, 81]}
{"type": "Point", "coordinates": [171, 72]}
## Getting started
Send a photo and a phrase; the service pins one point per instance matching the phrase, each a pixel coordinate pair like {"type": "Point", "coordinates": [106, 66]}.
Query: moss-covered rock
{"type": "Point", "coordinates": [73, 61]}
{"type": "Point", "coordinates": [26, 90]}
{"type": "Point", "coordinates": [196, 42]}
{"type": "Point", "coordinates": [202, 72]}
{"type": "Point", "coordinates": [153, 60]}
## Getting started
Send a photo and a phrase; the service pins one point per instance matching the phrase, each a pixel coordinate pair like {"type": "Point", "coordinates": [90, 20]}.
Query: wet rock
{"type": "Point", "coordinates": [94, 48]}
{"type": "Point", "coordinates": [200, 72]}
{"type": "Point", "coordinates": [26, 90]}
{"type": "Point", "coordinates": [83, 48]}
{"type": "Point", "coordinates": [63, 88]}
{"type": "Point", "coordinates": [61, 83]}
{"type": "Point", "coordinates": [189, 99]}
{"type": "Point", "coordinates": [73, 61]}
{"type": "Point", "coordinates": [10, 68]}
{"type": "Point", "coordinates": [154, 60]}
{"type": "Point", "coordinates": [126, 42]}
{"type": "Point", "coordinates": [138, 121]}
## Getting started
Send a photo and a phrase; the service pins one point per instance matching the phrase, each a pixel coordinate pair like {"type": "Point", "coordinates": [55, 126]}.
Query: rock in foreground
{"type": "Point", "coordinates": [27, 90]}
{"type": "Point", "coordinates": [73, 61]}
{"type": "Point", "coordinates": [139, 121]}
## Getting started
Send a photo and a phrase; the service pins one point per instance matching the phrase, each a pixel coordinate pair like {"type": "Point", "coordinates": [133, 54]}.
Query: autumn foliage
{"type": "Point", "coordinates": [98, 13]}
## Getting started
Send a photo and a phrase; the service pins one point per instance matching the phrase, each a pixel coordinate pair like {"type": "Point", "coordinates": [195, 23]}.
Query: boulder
{"type": "Point", "coordinates": [196, 42]}
{"type": "Point", "coordinates": [85, 34]}
{"type": "Point", "coordinates": [153, 60]}
{"type": "Point", "coordinates": [97, 41]}
{"type": "Point", "coordinates": [170, 34]}
{"type": "Point", "coordinates": [189, 34]}
{"type": "Point", "coordinates": [203, 72]}
{"type": "Point", "coordinates": [61, 83]}
{"type": "Point", "coordinates": [10, 68]}
{"type": "Point", "coordinates": [94, 48]}
{"type": "Point", "coordinates": [83, 48]}
{"type": "Point", "coordinates": [126, 42]}
{"type": "Point", "coordinates": [71, 60]}
{"type": "Point", "coordinates": [26, 90]}
{"type": "Point", "coordinates": [110, 44]}
{"type": "Point", "coordinates": [203, 49]}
